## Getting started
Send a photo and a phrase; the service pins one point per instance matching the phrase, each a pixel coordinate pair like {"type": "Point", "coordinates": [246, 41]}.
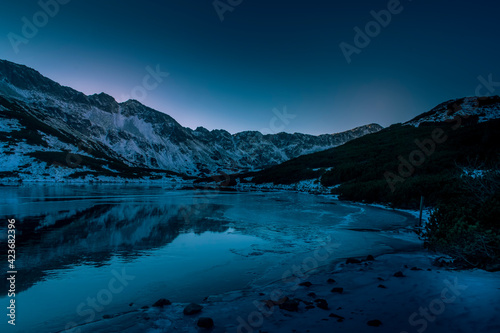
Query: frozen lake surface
{"type": "Point", "coordinates": [87, 251]}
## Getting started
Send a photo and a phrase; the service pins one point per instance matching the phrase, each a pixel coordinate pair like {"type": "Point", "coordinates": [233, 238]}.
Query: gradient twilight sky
{"type": "Point", "coordinates": [266, 54]}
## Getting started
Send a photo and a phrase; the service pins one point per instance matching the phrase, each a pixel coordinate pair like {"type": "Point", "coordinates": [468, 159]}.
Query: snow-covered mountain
{"type": "Point", "coordinates": [474, 109]}
{"type": "Point", "coordinates": [48, 131]}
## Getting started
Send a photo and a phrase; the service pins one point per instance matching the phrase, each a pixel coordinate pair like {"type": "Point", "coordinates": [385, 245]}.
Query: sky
{"type": "Point", "coordinates": [315, 67]}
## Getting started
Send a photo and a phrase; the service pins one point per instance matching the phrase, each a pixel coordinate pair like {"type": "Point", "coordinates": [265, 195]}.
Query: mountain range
{"type": "Point", "coordinates": [428, 156]}
{"type": "Point", "coordinates": [54, 133]}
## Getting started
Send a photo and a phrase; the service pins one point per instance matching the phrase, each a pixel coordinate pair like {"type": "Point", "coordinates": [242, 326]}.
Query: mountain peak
{"type": "Point", "coordinates": [482, 108]}
{"type": "Point", "coordinates": [370, 128]}
{"type": "Point", "coordinates": [32, 82]}
{"type": "Point", "coordinates": [130, 133]}
{"type": "Point", "coordinates": [103, 97]}
{"type": "Point", "coordinates": [132, 102]}
{"type": "Point", "coordinates": [104, 102]}
{"type": "Point", "coordinates": [23, 77]}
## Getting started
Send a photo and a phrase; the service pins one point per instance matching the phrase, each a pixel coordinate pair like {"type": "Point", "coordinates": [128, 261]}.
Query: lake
{"type": "Point", "coordinates": [87, 251]}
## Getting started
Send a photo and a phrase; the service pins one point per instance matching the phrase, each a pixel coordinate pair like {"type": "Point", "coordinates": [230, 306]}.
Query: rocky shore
{"type": "Point", "coordinates": [400, 292]}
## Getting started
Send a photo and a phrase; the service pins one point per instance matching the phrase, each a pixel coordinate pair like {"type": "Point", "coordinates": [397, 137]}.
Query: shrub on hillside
{"type": "Point", "coordinates": [468, 228]}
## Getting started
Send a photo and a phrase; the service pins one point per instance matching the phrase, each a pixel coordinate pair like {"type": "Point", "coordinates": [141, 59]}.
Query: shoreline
{"type": "Point", "coordinates": [357, 281]}
{"type": "Point", "coordinates": [234, 304]}
{"type": "Point", "coordinates": [405, 292]}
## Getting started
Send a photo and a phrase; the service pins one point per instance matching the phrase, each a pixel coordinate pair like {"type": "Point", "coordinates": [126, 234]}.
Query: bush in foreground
{"type": "Point", "coordinates": [468, 228]}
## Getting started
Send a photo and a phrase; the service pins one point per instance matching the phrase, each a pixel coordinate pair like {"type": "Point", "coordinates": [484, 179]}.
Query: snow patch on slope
{"type": "Point", "coordinates": [485, 108]}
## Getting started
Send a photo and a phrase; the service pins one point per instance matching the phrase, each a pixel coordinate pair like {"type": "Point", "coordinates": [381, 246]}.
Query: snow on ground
{"type": "Point", "coordinates": [55, 144]}
{"type": "Point", "coordinates": [477, 173]}
{"type": "Point", "coordinates": [422, 297]}
{"type": "Point", "coordinates": [426, 212]}
{"type": "Point", "coordinates": [309, 185]}
{"type": "Point", "coordinates": [469, 106]}
{"type": "Point", "coordinates": [16, 160]}
{"type": "Point", "coordinates": [314, 186]}
{"type": "Point", "coordinates": [9, 125]}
